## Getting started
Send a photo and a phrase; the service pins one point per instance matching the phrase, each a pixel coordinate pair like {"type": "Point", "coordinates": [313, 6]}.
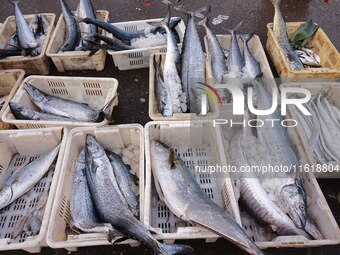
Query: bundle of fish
{"type": "Point", "coordinates": [103, 199]}
{"type": "Point", "coordinates": [20, 185]}
{"type": "Point", "coordinates": [322, 128]}
{"type": "Point", "coordinates": [57, 109]}
{"type": "Point", "coordinates": [28, 38]}
{"type": "Point", "coordinates": [278, 199]}
{"type": "Point", "coordinates": [178, 79]}
{"type": "Point", "coordinates": [234, 65]}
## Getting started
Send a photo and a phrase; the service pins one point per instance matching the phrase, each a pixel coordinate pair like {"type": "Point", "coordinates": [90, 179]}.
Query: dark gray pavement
{"type": "Point", "coordinates": [133, 85]}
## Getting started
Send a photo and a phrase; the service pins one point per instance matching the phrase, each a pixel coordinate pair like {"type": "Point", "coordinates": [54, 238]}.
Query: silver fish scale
{"type": "Point", "coordinates": [161, 215]}
{"type": "Point", "coordinates": [12, 213]}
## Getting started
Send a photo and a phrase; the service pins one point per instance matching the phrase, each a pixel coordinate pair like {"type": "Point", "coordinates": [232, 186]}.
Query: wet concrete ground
{"type": "Point", "coordinates": [133, 85]}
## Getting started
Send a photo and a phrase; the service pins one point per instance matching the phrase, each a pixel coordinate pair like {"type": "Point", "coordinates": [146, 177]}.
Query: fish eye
{"type": "Point", "coordinates": [19, 109]}
{"type": "Point", "coordinates": [90, 144]}
{"type": "Point", "coordinates": [301, 207]}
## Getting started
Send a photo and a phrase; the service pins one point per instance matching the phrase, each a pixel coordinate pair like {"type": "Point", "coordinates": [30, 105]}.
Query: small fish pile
{"type": "Point", "coordinates": [179, 190]}
{"type": "Point", "coordinates": [20, 185]}
{"type": "Point", "coordinates": [234, 65]}
{"type": "Point", "coordinates": [28, 38]}
{"type": "Point", "coordinates": [322, 128]}
{"type": "Point", "coordinates": [103, 199]}
{"type": "Point", "coordinates": [57, 109]}
{"type": "Point", "coordinates": [277, 199]}
{"type": "Point", "coordinates": [153, 35]}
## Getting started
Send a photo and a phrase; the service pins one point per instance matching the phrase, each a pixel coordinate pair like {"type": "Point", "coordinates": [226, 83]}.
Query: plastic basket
{"type": "Point", "coordinates": [138, 58]}
{"type": "Point", "coordinates": [317, 209]}
{"type": "Point", "coordinates": [75, 60]}
{"type": "Point", "coordinates": [154, 113]}
{"type": "Point", "coordinates": [32, 65]}
{"type": "Point", "coordinates": [18, 147]}
{"type": "Point", "coordinates": [203, 151]}
{"type": "Point", "coordinates": [96, 92]}
{"type": "Point", "coordinates": [10, 80]}
{"type": "Point", "coordinates": [112, 138]}
{"type": "Point", "coordinates": [330, 59]}
{"type": "Point", "coordinates": [303, 146]}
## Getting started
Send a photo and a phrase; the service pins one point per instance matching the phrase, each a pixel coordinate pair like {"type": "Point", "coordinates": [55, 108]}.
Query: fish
{"type": "Point", "coordinates": [24, 179]}
{"type": "Point", "coordinates": [251, 65]}
{"type": "Point", "coordinates": [218, 58]}
{"type": "Point", "coordinates": [114, 44]}
{"type": "Point", "coordinates": [83, 212]}
{"type": "Point", "coordinates": [308, 57]}
{"type": "Point", "coordinates": [64, 107]}
{"type": "Point", "coordinates": [39, 26]}
{"type": "Point", "coordinates": [4, 53]}
{"type": "Point", "coordinates": [254, 198]}
{"type": "Point", "coordinates": [280, 33]}
{"type": "Point", "coordinates": [164, 102]}
{"type": "Point", "coordinates": [85, 9]}
{"type": "Point", "coordinates": [21, 112]}
{"type": "Point", "coordinates": [292, 194]}
{"type": "Point", "coordinates": [235, 61]}
{"type": "Point", "coordinates": [12, 43]}
{"type": "Point", "coordinates": [127, 36]}
{"type": "Point", "coordinates": [170, 70]}
{"type": "Point", "coordinates": [71, 33]}
{"type": "Point", "coordinates": [26, 38]}
{"type": "Point", "coordinates": [192, 63]}
{"type": "Point", "coordinates": [110, 203]}
{"type": "Point", "coordinates": [185, 198]}
{"type": "Point", "coordinates": [126, 181]}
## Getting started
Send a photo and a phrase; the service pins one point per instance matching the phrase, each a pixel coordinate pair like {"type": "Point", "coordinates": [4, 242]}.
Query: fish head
{"type": "Point", "coordinates": [295, 202]}
{"type": "Point", "coordinates": [34, 93]}
{"type": "Point", "coordinates": [34, 24]}
{"type": "Point", "coordinates": [19, 111]}
{"type": "Point", "coordinates": [164, 153]}
{"type": "Point", "coordinates": [6, 195]}
{"type": "Point", "coordinates": [93, 147]}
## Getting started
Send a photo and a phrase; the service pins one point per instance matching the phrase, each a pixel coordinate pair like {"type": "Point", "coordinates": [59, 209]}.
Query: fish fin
{"type": "Point", "coordinates": [247, 37]}
{"type": "Point", "coordinates": [173, 249]}
{"type": "Point", "coordinates": [165, 21]}
{"type": "Point", "coordinates": [275, 2]}
{"type": "Point", "coordinates": [119, 240]}
{"type": "Point", "coordinates": [197, 13]}
{"type": "Point", "coordinates": [159, 190]}
{"type": "Point", "coordinates": [235, 28]}
{"type": "Point", "coordinates": [112, 234]}
{"type": "Point", "coordinates": [14, 1]}
{"type": "Point", "coordinates": [206, 19]}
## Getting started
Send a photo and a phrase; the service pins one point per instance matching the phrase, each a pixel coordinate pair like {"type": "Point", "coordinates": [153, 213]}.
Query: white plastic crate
{"type": "Point", "coordinates": [258, 52]}
{"type": "Point", "coordinates": [112, 138]}
{"type": "Point", "coordinates": [75, 60]}
{"type": "Point", "coordinates": [138, 58]}
{"type": "Point", "coordinates": [10, 81]}
{"type": "Point", "coordinates": [314, 87]}
{"type": "Point", "coordinates": [154, 113]}
{"type": "Point", "coordinates": [32, 65]}
{"type": "Point", "coordinates": [317, 209]}
{"type": "Point", "coordinates": [95, 92]}
{"type": "Point", "coordinates": [203, 150]}
{"type": "Point", "coordinates": [17, 148]}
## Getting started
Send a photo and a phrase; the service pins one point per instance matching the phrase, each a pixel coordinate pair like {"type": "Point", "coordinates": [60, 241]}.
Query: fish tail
{"type": "Point", "coordinates": [173, 249]}
{"type": "Point", "coordinates": [197, 13]}
{"type": "Point", "coordinates": [275, 2]}
{"type": "Point", "coordinates": [14, 1]}
{"type": "Point", "coordinates": [206, 19]}
{"type": "Point", "coordinates": [105, 110]}
{"type": "Point", "coordinates": [163, 22]}
{"type": "Point", "coordinates": [246, 37]}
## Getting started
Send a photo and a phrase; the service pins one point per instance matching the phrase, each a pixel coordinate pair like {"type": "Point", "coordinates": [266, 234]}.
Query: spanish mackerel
{"type": "Point", "coordinates": [24, 179]}
{"type": "Point", "coordinates": [280, 32]}
{"type": "Point", "coordinates": [72, 34]}
{"type": "Point", "coordinates": [277, 142]}
{"type": "Point", "coordinates": [181, 193]}
{"type": "Point", "coordinates": [192, 63]}
{"type": "Point", "coordinates": [111, 205]}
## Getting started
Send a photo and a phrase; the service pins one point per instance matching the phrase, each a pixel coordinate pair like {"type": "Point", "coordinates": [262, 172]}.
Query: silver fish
{"type": "Point", "coordinates": [72, 34]}
{"type": "Point", "coordinates": [280, 32]}
{"type": "Point", "coordinates": [83, 212]}
{"type": "Point", "coordinates": [192, 63]}
{"type": "Point", "coordinates": [126, 181]}
{"type": "Point", "coordinates": [62, 107]}
{"type": "Point", "coordinates": [26, 38]}
{"type": "Point", "coordinates": [85, 9]}
{"type": "Point", "coordinates": [24, 179]}
{"type": "Point", "coordinates": [255, 198]}
{"type": "Point", "coordinates": [110, 203]}
{"type": "Point", "coordinates": [235, 61]}
{"type": "Point", "coordinates": [164, 102]}
{"type": "Point", "coordinates": [185, 198]}
{"type": "Point", "coordinates": [252, 66]}
{"type": "Point", "coordinates": [21, 112]}
{"type": "Point", "coordinates": [292, 194]}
